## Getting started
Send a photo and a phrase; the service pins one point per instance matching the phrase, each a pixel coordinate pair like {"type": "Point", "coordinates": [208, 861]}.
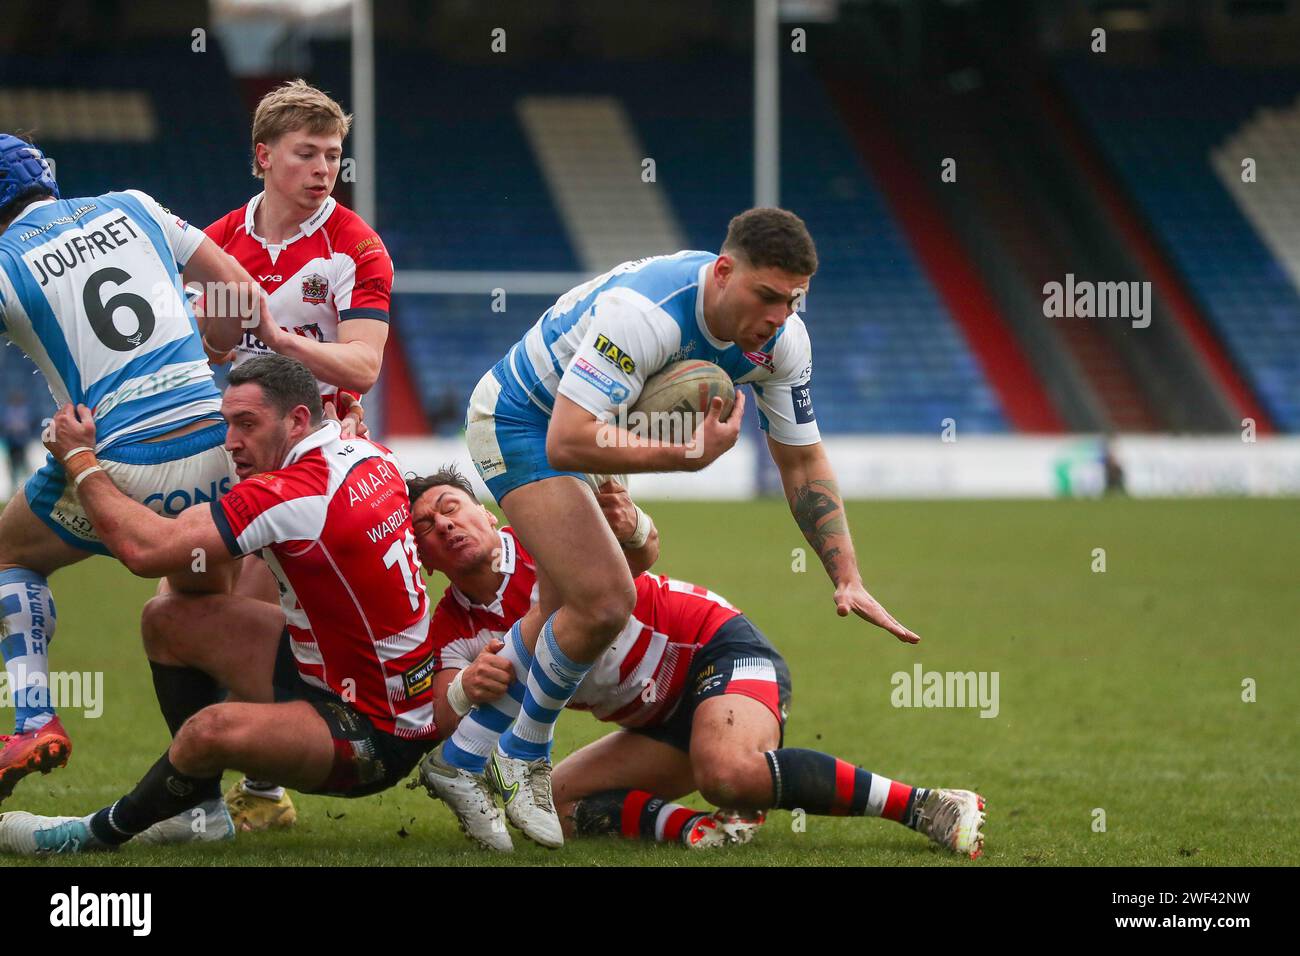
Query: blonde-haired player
{"type": "Point", "coordinates": [328, 276]}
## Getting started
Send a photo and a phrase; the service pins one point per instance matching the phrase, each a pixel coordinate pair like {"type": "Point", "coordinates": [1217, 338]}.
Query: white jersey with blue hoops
{"type": "Point", "coordinates": [90, 289]}
{"type": "Point", "coordinates": [600, 342]}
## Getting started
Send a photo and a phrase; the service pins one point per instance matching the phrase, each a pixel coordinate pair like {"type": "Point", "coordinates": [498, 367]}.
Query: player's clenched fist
{"type": "Point", "coordinates": [73, 426]}
{"type": "Point", "coordinates": [715, 437]}
{"type": "Point", "coordinates": [487, 676]}
{"type": "Point", "coordinates": [616, 504]}
{"type": "Point", "coordinates": [353, 422]}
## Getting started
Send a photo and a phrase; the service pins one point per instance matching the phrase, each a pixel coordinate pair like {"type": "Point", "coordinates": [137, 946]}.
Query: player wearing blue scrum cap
{"type": "Point", "coordinates": [91, 291]}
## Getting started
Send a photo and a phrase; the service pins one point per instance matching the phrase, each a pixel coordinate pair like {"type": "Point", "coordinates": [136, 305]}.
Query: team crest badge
{"type": "Point", "coordinates": [315, 288]}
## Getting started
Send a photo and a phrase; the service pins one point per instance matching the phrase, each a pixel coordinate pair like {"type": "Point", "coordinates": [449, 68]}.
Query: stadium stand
{"type": "Point", "coordinates": [1160, 127]}
{"type": "Point", "coordinates": [167, 122]}
{"type": "Point", "coordinates": [886, 348]}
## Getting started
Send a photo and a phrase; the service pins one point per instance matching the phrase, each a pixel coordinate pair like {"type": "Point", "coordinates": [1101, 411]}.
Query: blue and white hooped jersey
{"type": "Point", "coordinates": [90, 289]}
{"type": "Point", "coordinates": [600, 342]}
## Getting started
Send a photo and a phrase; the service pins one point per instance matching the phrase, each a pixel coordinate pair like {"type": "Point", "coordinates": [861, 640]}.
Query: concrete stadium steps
{"type": "Point", "coordinates": [1272, 201]}
{"type": "Point", "coordinates": [591, 157]}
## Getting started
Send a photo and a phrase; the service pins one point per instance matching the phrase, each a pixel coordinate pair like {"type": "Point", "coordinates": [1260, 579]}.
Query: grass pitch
{"type": "Point", "coordinates": [1120, 691]}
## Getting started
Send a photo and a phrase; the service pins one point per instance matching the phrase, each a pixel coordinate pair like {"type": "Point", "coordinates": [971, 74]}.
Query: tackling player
{"type": "Point", "coordinates": [328, 279]}
{"type": "Point", "coordinates": [90, 290]}
{"type": "Point", "coordinates": [332, 518]}
{"type": "Point", "coordinates": [541, 418]}
{"type": "Point", "coordinates": [700, 693]}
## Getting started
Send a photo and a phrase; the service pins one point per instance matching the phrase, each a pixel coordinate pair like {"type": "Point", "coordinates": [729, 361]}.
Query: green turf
{"type": "Point", "coordinates": [1119, 690]}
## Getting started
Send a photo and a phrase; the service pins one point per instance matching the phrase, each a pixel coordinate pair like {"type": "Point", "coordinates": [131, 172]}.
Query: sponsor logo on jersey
{"type": "Point", "coordinates": [376, 284]}
{"type": "Point", "coordinates": [364, 244]}
{"type": "Point", "coordinates": [76, 214]}
{"type": "Point", "coordinates": [803, 403]}
{"type": "Point", "coordinates": [598, 379]}
{"type": "Point", "coordinates": [315, 288]}
{"type": "Point", "coordinates": [419, 678]}
{"type": "Point", "coordinates": [762, 360]}
{"type": "Point", "coordinates": [614, 354]}
{"type": "Point", "coordinates": [682, 353]}
{"type": "Point", "coordinates": [271, 278]}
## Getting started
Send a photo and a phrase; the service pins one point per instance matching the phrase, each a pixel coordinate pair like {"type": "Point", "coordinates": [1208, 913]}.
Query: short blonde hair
{"type": "Point", "coordinates": [296, 105]}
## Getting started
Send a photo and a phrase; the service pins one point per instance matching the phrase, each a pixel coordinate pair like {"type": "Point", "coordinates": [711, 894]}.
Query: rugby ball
{"type": "Point", "coordinates": [688, 386]}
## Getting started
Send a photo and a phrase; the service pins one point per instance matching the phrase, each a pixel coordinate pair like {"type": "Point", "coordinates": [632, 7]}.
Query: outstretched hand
{"type": "Point", "coordinates": [855, 598]}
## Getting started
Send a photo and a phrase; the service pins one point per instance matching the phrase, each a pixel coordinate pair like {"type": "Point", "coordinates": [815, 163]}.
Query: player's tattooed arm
{"type": "Point", "coordinates": [818, 510]}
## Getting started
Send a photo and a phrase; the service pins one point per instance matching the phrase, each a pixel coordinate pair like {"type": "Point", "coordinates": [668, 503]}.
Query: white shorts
{"type": "Point", "coordinates": [165, 476]}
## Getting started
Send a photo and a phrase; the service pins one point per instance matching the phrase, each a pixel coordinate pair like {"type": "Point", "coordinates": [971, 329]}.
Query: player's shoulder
{"type": "Point", "coordinates": [792, 350]}
{"type": "Point", "coordinates": [352, 236]}
{"type": "Point", "coordinates": [308, 475]}
{"type": "Point", "coordinates": [130, 199]}
{"type": "Point", "coordinates": [519, 554]}
{"type": "Point", "coordinates": [223, 230]}
{"type": "Point", "coordinates": [657, 281]}
{"type": "Point", "coordinates": [139, 195]}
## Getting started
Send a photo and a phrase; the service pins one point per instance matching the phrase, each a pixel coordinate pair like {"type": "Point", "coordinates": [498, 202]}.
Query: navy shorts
{"type": "Point", "coordinates": [366, 760]}
{"type": "Point", "coordinates": [737, 660]}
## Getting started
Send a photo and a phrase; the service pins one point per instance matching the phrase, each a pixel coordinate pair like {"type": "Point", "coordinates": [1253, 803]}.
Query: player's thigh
{"type": "Point", "coordinates": [729, 735]}
{"type": "Point", "coordinates": [232, 639]}
{"type": "Point", "coordinates": [623, 760]}
{"type": "Point", "coordinates": [27, 542]}
{"type": "Point", "coordinates": [560, 524]}
{"type": "Point", "coordinates": [289, 743]}
{"type": "Point", "coordinates": [218, 579]}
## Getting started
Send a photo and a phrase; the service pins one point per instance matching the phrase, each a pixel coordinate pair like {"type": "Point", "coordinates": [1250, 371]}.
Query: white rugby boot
{"type": "Point", "coordinates": [525, 788]}
{"type": "Point", "coordinates": [739, 827]}
{"type": "Point", "coordinates": [209, 822]}
{"type": "Point", "coordinates": [470, 797]}
{"type": "Point", "coordinates": [26, 834]}
{"type": "Point", "coordinates": [953, 819]}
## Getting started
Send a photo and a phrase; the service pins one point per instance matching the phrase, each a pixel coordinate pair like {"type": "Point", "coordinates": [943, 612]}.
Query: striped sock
{"type": "Point", "coordinates": [824, 785]}
{"type": "Point", "coordinates": [552, 679]}
{"type": "Point", "coordinates": [26, 627]}
{"type": "Point", "coordinates": [480, 729]}
{"type": "Point", "coordinates": [635, 814]}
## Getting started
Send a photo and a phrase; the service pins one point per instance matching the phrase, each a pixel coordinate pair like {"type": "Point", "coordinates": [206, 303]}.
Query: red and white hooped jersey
{"type": "Point", "coordinates": [336, 268]}
{"type": "Point", "coordinates": [639, 679]}
{"type": "Point", "coordinates": [334, 525]}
